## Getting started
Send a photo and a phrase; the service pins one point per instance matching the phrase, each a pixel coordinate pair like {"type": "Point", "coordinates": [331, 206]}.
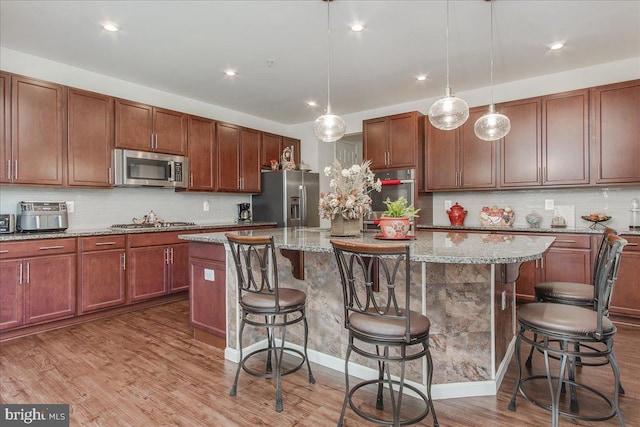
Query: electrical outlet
{"type": "Point", "coordinates": [70, 207]}
{"type": "Point", "coordinates": [549, 205]}
{"type": "Point", "coordinates": [205, 206]}
{"type": "Point", "coordinates": [209, 275]}
{"type": "Point", "coordinates": [447, 204]}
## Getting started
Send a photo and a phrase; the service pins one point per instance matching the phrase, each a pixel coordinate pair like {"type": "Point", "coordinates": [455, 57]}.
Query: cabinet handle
{"type": "Point", "coordinates": [124, 261]}
{"type": "Point", "coordinates": [632, 244]}
{"type": "Point", "coordinates": [4, 251]}
{"type": "Point", "coordinates": [544, 174]}
{"type": "Point", "coordinates": [105, 243]}
{"type": "Point", "coordinates": [20, 275]}
{"type": "Point", "coordinates": [190, 180]}
{"type": "Point", "coordinates": [46, 248]}
{"type": "Point", "coordinates": [171, 255]}
{"type": "Point", "coordinates": [9, 170]}
{"type": "Point", "coordinates": [28, 273]}
{"type": "Point", "coordinates": [109, 180]}
{"type": "Point", "coordinates": [15, 174]}
{"type": "Point", "coordinates": [542, 263]}
{"type": "Point", "coordinates": [166, 256]}
{"type": "Point", "coordinates": [565, 241]}
{"type": "Point", "coordinates": [539, 176]}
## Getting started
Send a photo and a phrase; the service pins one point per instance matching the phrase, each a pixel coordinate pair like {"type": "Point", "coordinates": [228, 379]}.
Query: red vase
{"type": "Point", "coordinates": [456, 215]}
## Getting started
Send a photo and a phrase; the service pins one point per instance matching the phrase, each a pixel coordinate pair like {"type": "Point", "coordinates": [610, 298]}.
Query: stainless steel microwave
{"type": "Point", "coordinates": [144, 169]}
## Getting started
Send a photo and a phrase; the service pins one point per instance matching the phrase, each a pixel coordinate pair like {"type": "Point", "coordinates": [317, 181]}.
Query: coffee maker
{"type": "Point", "coordinates": [244, 212]}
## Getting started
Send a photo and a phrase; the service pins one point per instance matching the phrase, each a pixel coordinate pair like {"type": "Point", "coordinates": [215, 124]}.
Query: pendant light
{"type": "Point", "coordinates": [329, 127]}
{"type": "Point", "coordinates": [492, 126]}
{"type": "Point", "coordinates": [450, 112]}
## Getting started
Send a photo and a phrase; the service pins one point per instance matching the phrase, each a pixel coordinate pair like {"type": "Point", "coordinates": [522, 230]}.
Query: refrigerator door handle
{"type": "Point", "coordinates": [302, 190]}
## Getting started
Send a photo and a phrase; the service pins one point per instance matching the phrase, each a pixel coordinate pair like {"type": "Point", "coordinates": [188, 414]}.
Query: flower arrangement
{"type": "Point", "coordinates": [350, 188]}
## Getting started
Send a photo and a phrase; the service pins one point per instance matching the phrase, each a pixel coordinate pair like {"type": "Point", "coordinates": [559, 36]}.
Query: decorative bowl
{"type": "Point", "coordinates": [534, 220]}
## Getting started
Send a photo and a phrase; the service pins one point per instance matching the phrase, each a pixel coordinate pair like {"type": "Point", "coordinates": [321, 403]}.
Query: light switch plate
{"type": "Point", "coordinates": [71, 208]}
{"type": "Point", "coordinates": [549, 205]}
{"type": "Point", "coordinates": [447, 204]}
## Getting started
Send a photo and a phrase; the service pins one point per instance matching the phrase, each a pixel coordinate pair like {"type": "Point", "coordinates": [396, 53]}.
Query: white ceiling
{"type": "Point", "coordinates": [183, 47]}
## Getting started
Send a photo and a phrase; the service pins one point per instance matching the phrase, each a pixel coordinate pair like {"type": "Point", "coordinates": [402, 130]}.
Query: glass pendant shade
{"type": "Point", "coordinates": [492, 126]}
{"type": "Point", "coordinates": [448, 113]}
{"type": "Point", "coordinates": [329, 127]}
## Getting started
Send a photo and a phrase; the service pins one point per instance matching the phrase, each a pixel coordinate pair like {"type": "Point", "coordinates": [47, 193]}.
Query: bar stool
{"type": "Point", "coordinates": [376, 281]}
{"type": "Point", "coordinates": [265, 305]}
{"type": "Point", "coordinates": [569, 331]}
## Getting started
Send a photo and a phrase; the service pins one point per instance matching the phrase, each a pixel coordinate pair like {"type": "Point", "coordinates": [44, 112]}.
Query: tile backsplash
{"type": "Point", "coordinates": [102, 208]}
{"type": "Point", "coordinates": [613, 201]}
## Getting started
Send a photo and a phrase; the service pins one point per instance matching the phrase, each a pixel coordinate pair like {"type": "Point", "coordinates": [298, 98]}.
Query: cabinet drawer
{"type": "Point", "coordinates": [155, 239]}
{"type": "Point", "coordinates": [37, 248]}
{"type": "Point", "coordinates": [633, 243]}
{"type": "Point", "coordinates": [572, 241]}
{"type": "Point", "coordinates": [100, 243]}
{"type": "Point", "coordinates": [209, 251]}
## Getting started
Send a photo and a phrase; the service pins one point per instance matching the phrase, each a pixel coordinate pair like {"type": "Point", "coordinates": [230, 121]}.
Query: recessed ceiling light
{"type": "Point", "coordinates": [111, 27]}
{"type": "Point", "coordinates": [312, 103]}
{"type": "Point", "coordinates": [356, 27]}
{"type": "Point", "coordinates": [421, 77]}
{"type": "Point", "coordinates": [556, 45]}
{"type": "Point", "coordinates": [230, 73]}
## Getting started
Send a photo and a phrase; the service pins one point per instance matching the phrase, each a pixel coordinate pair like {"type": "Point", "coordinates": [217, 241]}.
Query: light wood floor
{"type": "Point", "coordinates": [143, 369]}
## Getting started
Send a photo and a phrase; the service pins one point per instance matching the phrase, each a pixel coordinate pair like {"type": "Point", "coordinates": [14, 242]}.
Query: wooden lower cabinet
{"type": "Point", "coordinates": [37, 282]}
{"type": "Point", "coordinates": [102, 268]}
{"type": "Point", "coordinates": [208, 289]}
{"type": "Point", "coordinates": [568, 260]}
{"type": "Point", "coordinates": [626, 292]}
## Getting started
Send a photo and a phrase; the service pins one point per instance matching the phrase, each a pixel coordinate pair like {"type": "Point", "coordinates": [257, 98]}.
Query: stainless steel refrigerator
{"type": "Point", "coordinates": [289, 198]}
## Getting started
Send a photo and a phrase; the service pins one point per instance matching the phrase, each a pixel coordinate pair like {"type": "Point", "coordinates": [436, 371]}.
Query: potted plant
{"type": "Point", "coordinates": [395, 222]}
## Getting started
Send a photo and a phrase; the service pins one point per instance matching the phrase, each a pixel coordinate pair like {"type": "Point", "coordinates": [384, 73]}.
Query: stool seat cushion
{"type": "Point", "coordinates": [288, 298]}
{"type": "Point", "coordinates": [392, 328]}
{"type": "Point", "coordinates": [567, 291]}
{"type": "Point", "coordinates": [564, 319]}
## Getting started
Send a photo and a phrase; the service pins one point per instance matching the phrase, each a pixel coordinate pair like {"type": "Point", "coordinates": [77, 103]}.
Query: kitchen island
{"type": "Point", "coordinates": [464, 283]}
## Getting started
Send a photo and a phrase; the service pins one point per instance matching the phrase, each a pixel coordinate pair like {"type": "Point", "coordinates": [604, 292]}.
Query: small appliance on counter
{"type": "Point", "coordinates": [634, 220]}
{"type": "Point", "coordinates": [42, 216]}
{"type": "Point", "coordinates": [244, 212]}
{"type": "Point", "coordinates": [7, 223]}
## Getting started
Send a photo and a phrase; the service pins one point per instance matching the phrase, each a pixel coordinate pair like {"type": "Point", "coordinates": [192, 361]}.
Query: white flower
{"type": "Point", "coordinates": [355, 169]}
{"type": "Point", "coordinates": [327, 171]}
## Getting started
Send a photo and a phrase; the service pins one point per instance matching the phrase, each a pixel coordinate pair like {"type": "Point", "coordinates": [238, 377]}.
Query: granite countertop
{"type": "Point", "coordinates": [71, 232]}
{"type": "Point", "coordinates": [524, 229]}
{"type": "Point", "coordinates": [431, 246]}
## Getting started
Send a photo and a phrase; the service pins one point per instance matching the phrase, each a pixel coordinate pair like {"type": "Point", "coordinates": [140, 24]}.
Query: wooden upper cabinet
{"type": "Point", "coordinates": [202, 154]}
{"type": "Point", "coordinates": [458, 159]}
{"type": "Point", "coordinates": [617, 133]}
{"type": "Point", "coordinates": [565, 138]}
{"type": "Point", "coordinates": [521, 148]}
{"type": "Point", "coordinates": [90, 139]}
{"type": "Point", "coordinates": [146, 128]}
{"type": "Point", "coordinates": [392, 142]}
{"type": "Point", "coordinates": [5, 137]}
{"type": "Point", "coordinates": [271, 149]}
{"type": "Point", "coordinates": [238, 159]}
{"type": "Point", "coordinates": [37, 131]}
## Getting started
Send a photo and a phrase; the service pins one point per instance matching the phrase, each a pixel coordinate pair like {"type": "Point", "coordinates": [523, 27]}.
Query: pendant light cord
{"type": "Point", "coordinates": [447, 32]}
{"type": "Point", "coordinates": [491, 72]}
{"type": "Point", "coordinates": [328, 57]}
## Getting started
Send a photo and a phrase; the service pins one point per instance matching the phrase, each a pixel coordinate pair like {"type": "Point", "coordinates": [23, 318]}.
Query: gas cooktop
{"type": "Point", "coordinates": [154, 225]}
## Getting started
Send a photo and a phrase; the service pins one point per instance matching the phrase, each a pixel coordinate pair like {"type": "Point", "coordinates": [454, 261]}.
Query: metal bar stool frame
{"type": "Point", "coordinates": [563, 328]}
{"type": "Point", "coordinates": [391, 324]}
{"type": "Point", "coordinates": [259, 295]}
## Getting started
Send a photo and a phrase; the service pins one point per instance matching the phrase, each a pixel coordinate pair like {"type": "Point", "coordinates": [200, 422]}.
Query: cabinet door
{"type": "Point", "coordinates": [442, 159]}
{"type": "Point", "coordinates": [11, 294]}
{"type": "Point", "coordinates": [179, 262]}
{"type": "Point", "coordinates": [617, 151]}
{"type": "Point", "coordinates": [626, 292]}
{"type": "Point", "coordinates": [228, 158]}
{"type": "Point", "coordinates": [526, 282]}
{"type": "Point", "coordinates": [102, 275]}
{"type": "Point", "coordinates": [202, 154]}
{"type": "Point", "coordinates": [565, 138]}
{"type": "Point", "coordinates": [250, 160]}
{"type": "Point", "coordinates": [520, 150]}
{"type": "Point", "coordinates": [147, 272]}
{"type": "Point", "coordinates": [133, 125]}
{"type": "Point", "coordinates": [271, 149]}
{"type": "Point", "coordinates": [295, 143]}
{"type": "Point", "coordinates": [50, 293]}
{"type": "Point", "coordinates": [5, 135]}
{"type": "Point", "coordinates": [169, 131]}
{"type": "Point", "coordinates": [90, 139]}
{"type": "Point", "coordinates": [477, 162]}
{"type": "Point", "coordinates": [207, 296]}
{"type": "Point", "coordinates": [402, 140]}
{"type": "Point", "coordinates": [566, 265]}
{"type": "Point", "coordinates": [374, 142]}
{"type": "Point", "coordinates": [37, 131]}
